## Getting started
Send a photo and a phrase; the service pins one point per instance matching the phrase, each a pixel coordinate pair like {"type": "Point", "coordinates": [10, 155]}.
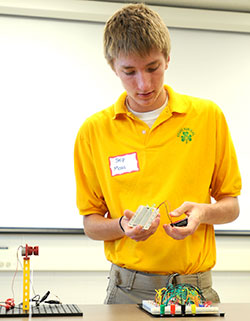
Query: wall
{"type": "Point", "coordinates": [51, 72]}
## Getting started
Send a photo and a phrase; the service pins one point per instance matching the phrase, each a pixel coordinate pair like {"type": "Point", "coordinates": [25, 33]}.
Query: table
{"type": "Point", "coordinates": [130, 312]}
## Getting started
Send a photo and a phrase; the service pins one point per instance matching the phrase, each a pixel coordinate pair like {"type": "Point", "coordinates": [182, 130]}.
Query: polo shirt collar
{"type": "Point", "coordinates": [176, 103]}
{"type": "Point", "coordinates": [120, 106]}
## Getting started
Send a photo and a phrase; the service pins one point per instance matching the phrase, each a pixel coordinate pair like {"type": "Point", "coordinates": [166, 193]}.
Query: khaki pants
{"type": "Point", "coordinates": [131, 287]}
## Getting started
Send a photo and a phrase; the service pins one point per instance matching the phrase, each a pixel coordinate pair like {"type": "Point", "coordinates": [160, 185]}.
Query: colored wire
{"type": "Point", "coordinates": [167, 209]}
{"type": "Point", "coordinates": [15, 273]}
{"type": "Point", "coordinates": [179, 294]}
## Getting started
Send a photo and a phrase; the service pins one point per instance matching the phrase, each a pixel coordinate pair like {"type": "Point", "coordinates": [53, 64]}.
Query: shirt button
{"type": "Point", "coordinates": [144, 131]}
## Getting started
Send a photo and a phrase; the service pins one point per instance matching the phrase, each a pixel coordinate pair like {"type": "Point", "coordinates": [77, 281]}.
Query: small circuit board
{"type": "Point", "coordinates": [172, 310]}
{"type": "Point", "coordinates": [144, 216]}
{"type": "Point", "coordinates": [180, 300]}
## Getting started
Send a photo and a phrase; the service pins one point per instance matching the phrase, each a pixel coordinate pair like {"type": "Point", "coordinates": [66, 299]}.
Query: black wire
{"type": "Point", "coordinates": [36, 299]}
{"type": "Point", "coordinates": [45, 296]}
{"type": "Point", "coordinates": [53, 302]}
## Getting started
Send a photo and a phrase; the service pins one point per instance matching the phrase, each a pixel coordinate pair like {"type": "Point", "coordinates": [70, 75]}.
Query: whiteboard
{"type": "Point", "coordinates": [53, 76]}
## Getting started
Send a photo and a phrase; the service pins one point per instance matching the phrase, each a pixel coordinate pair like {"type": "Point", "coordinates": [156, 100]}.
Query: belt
{"type": "Point", "coordinates": [130, 278]}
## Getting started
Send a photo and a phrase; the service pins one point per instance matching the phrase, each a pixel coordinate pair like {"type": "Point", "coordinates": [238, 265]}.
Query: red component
{"type": "Point", "coordinates": [9, 304]}
{"type": "Point", "coordinates": [29, 250]}
{"type": "Point", "coordinates": [172, 309]}
{"type": "Point", "coordinates": [6, 306]}
{"type": "Point", "coordinates": [36, 250]}
{"type": "Point", "coordinates": [207, 303]}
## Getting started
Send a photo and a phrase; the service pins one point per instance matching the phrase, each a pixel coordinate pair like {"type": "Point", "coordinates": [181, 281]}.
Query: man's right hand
{"type": "Point", "coordinates": [137, 233]}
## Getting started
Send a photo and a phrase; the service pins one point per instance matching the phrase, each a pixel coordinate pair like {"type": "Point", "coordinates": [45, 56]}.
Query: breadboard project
{"type": "Point", "coordinates": [155, 309]}
{"type": "Point", "coordinates": [144, 216]}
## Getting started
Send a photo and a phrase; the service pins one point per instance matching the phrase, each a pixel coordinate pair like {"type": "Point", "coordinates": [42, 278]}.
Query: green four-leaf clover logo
{"type": "Point", "coordinates": [185, 134]}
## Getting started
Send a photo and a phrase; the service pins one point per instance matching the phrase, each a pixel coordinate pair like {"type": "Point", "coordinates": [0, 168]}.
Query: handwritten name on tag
{"type": "Point", "coordinates": [124, 164]}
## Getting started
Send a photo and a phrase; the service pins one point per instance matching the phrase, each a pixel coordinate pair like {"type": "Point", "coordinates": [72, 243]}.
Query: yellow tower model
{"type": "Point", "coordinates": [26, 252]}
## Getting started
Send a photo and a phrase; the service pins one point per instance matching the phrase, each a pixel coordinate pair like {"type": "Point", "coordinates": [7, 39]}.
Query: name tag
{"type": "Point", "coordinates": [123, 164]}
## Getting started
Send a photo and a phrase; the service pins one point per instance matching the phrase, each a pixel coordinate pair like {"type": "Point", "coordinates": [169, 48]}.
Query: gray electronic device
{"type": "Point", "coordinates": [144, 216]}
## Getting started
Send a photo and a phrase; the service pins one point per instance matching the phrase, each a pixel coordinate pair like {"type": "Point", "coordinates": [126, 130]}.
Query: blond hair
{"type": "Point", "coordinates": [135, 29]}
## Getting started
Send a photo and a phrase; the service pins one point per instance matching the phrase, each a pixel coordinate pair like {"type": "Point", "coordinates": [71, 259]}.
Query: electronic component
{"type": "Point", "coordinates": [26, 252]}
{"type": "Point", "coordinates": [144, 216]}
{"type": "Point", "coordinates": [180, 223]}
{"type": "Point", "coordinates": [179, 310]}
{"type": "Point", "coordinates": [180, 300]}
{"type": "Point", "coordinates": [56, 310]}
{"type": "Point", "coordinates": [8, 304]}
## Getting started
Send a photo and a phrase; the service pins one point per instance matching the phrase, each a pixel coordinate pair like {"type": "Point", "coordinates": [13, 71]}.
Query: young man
{"type": "Point", "coordinates": [154, 145]}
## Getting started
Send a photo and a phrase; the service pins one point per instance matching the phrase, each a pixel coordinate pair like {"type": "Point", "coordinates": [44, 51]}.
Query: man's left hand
{"type": "Point", "coordinates": [194, 212]}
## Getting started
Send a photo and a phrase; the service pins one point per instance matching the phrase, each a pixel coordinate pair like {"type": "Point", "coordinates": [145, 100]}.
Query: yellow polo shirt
{"type": "Point", "coordinates": [187, 155]}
